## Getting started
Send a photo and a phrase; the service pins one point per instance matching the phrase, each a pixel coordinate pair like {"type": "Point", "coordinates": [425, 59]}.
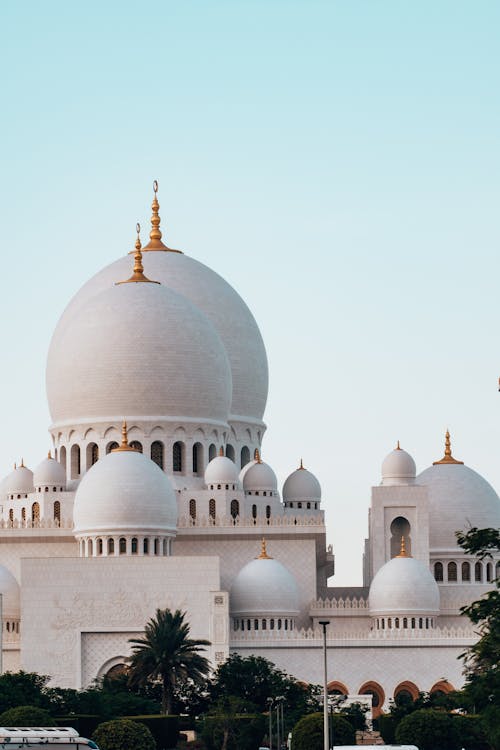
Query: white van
{"type": "Point", "coordinates": [62, 738]}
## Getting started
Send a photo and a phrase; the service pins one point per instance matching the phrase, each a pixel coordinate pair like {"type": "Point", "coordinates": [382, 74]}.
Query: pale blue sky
{"type": "Point", "coordinates": [337, 162]}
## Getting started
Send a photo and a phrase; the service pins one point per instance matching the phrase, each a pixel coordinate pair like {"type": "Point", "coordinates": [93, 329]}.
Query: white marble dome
{"type": "Point", "coordinates": [49, 472]}
{"type": "Point", "coordinates": [301, 485]}
{"type": "Point", "coordinates": [260, 478]}
{"type": "Point", "coordinates": [264, 587]}
{"type": "Point", "coordinates": [125, 492]}
{"type": "Point", "coordinates": [221, 470]}
{"type": "Point", "coordinates": [404, 586]}
{"type": "Point", "coordinates": [11, 595]}
{"type": "Point", "coordinates": [398, 468]}
{"type": "Point", "coordinates": [216, 300]}
{"type": "Point", "coordinates": [19, 481]}
{"type": "Point", "coordinates": [459, 498]}
{"type": "Point", "coordinates": [162, 352]}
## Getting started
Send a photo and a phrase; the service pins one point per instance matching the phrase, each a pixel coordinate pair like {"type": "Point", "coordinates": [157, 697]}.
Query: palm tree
{"type": "Point", "coordinates": [166, 654]}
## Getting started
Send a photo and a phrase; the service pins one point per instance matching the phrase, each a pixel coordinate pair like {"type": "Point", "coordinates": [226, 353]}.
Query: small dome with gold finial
{"type": "Point", "coordinates": [221, 470]}
{"type": "Point", "coordinates": [19, 481]}
{"type": "Point", "coordinates": [301, 485]}
{"type": "Point", "coordinates": [125, 493]}
{"type": "Point", "coordinates": [459, 498]}
{"type": "Point", "coordinates": [163, 351]}
{"type": "Point", "coordinates": [50, 472]}
{"type": "Point", "coordinates": [264, 588]}
{"type": "Point", "coordinates": [398, 467]}
{"type": "Point", "coordinates": [403, 586]}
{"type": "Point", "coordinates": [260, 477]}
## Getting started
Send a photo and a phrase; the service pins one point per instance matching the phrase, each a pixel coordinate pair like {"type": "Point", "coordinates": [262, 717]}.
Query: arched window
{"type": "Point", "coordinates": [122, 547]}
{"type": "Point", "coordinates": [90, 548]}
{"type": "Point", "coordinates": [478, 572]}
{"type": "Point", "coordinates": [400, 528]}
{"type": "Point", "coordinates": [489, 572]}
{"type": "Point", "coordinates": [244, 456]}
{"type": "Point", "coordinates": [111, 546]}
{"type": "Point", "coordinates": [35, 512]}
{"type": "Point", "coordinates": [254, 512]}
{"type": "Point", "coordinates": [156, 546]}
{"type": "Point", "coordinates": [230, 451]}
{"type": "Point", "coordinates": [23, 514]}
{"type": "Point", "coordinates": [75, 461]}
{"type": "Point", "coordinates": [438, 571]}
{"type": "Point", "coordinates": [111, 446]}
{"type": "Point", "coordinates": [92, 454]}
{"type": "Point", "coordinates": [157, 453]}
{"type": "Point", "coordinates": [271, 623]}
{"type": "Point", "coordinates": [57, 512]}
{"type": "Point", "coordinates": [62, 457]}
{"type": "Point", "coordinates": [212, 452]}
{"type": "Point", "coordinates": [197, 459]}
{"type": "Point", "coordinates": [255, 624]}
{"type": "Point", "coordinates": [177, 451]}
{"type": "Point", "coordinates": [452, 571]}
{"type": "Point", "coordinates": [136, 445]}
{"type": "Point", "coordinates": [11, 517]}
{"type": "Point", "coordinates": [192, 509]}
{"type": "Point", "coordinates": [133, 545]}
{"type": "Point", "coordinates": [465, 571]}
{"type": "Point", "coordinates": [235, 509]}
{"type": "Point", "coordinates": [268, 512]}
{"type": "Point", "coordinates": [145, 546]}
{"type": "Point", "coordinates": [99, 546]}
{"type": "Point", "coordinates": [498, 569]}
{"type": "Point", "coordinates": [264, 624]}
{"type": "Point", "coordinates": [377, 693]}
{"type": "Point", "coordinates": [211, 508]}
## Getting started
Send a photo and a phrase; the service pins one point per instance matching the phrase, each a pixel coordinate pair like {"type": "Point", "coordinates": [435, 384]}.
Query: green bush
{"type": "Point", "coordinates": [165, 729]}
{"type": "Point", "coordinates": [123, 734]}
{"type": "Point", "coordinates": [26, 716]}
{"type": "Point", "coordinates": [471, 732]}
{"type": "Point", "coordinates": [308, 732]}
{"type": "Point", "coordinates": [387, 725]}
{"type": "Point", "coordinates": [244, 731]}
{"type": "Point", "coordinates": [429, 730]}
{"type": "Point", "coordinates": [85, 724]}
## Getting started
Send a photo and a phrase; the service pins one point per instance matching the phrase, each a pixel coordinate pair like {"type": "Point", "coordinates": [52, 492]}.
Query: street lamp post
{"type": "Point", "coordinates": [278, 727]}
{"type": "Point", "coordinates": [270, 704]}
{"type": "Point", "coordinates": [326, 739]}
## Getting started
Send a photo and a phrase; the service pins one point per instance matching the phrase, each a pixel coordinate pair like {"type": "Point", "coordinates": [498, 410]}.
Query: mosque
{"type": "Point", "coordinates": [155, 494]}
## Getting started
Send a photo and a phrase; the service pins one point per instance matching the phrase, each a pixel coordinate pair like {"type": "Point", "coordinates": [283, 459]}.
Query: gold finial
{"type": "Point", "coordinates": [124, 445]}
{"type": "Point", "coordinates": [15, 465]}
{"type": "Point", "coordinates": [257, 457]}
{"type": "Point", "coordinates": [402, 550]}
{"type": "Point", "coordinates": [263, 551]}
{"type": "Point", "coordinates": [21, 465]}
{"type": "Point", "coordinates": [138, 274]}
{"type": "Point", "coordinates": [221, 451]}
{"type": "Point", "coordinates": [49, 455]}
{"type": "Point", "coordinates": [155, 240]}
{"type": "Point", "coordinates": [398, 447]}
{"type": "Point", "coordinates": [447, 458]}
{"type": "Point", "coordinates": [301, 465]}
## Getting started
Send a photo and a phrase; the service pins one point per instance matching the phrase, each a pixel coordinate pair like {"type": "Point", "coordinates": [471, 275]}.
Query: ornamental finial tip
{"type": "Point", "coordinates": [263, 551]}
{"type": "Point", "coordinates": [447, 458]}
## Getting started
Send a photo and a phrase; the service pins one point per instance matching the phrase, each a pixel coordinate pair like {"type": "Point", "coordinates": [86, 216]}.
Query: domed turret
{"type": "Point", "coordinates": [260, 478]}
{"type": "Point", "coordinates": [19, 481]}
{"type": "Point", "coordinates": [459, 498]}
{"type": "Point", "coordinates": [404, 588]}
{"type": "Point", "coordinates": [398, 468]}
{"type": "Point", "coordinates": [301, 485]}
{"type": "Point", "coordinates": [264, 589]}
{"type": "Point", "coordinates": [221, 470]}
{"type": "Point", "coordinates": [49, 472]}
{"type": "Point", "coordinates": [125, 495]}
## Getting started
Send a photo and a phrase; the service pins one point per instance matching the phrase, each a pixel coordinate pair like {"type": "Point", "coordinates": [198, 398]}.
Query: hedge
{"type": "Point", "coordinates": [85, 724]}
{"type": "Point", "coordinates": [26, 716]}
{"type": "Point", "coordinates": [165, 729]}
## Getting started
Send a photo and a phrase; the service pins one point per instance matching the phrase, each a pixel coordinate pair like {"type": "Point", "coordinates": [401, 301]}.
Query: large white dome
{"type": "Point", "coordinates": [301, 485]}
{"type": "Point", "coordinates": [264, 587]}
{"type": "Point", "coordinates": [140, 350]}
{"type": "Point", "coordinates": [459, 497]}
{"type": "Point", "coordinates": [404, 586]}
{"type": "Point", "coordinates": [125, 492]}
{"type": "Point", "coordinates": [215, 298]}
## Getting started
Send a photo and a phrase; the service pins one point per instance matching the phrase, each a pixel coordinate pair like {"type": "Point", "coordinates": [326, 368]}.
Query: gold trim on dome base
{"type": "Point", "coordinates": [447, 458]}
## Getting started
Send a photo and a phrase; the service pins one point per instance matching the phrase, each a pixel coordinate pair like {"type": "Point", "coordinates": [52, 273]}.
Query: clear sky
{"type": "Point", "coordinates": [337, 162]}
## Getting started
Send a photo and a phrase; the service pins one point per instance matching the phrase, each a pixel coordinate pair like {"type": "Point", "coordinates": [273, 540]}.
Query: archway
{"type": "Point", "coordinates": [400, 527]}
{"type": "Point", "coordinates": [378, 696]}
{"type": "Point", "coordinates": [443, 686]}
{"type": "Point", "coordinates": [406, 692]}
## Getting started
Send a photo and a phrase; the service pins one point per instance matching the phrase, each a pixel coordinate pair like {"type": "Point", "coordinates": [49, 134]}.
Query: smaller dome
{"type": "Point", "coordinates": [260, 477]}
{"type": "Point", "coordinates": [398, 468]}
{"type": "Point", "coordinates": [404, 586]}
{"type": "Point", "coordinates": [245, 469]}
{"type": "Point", "coordinates": [264, 587]}
{"type": "Point", "coordinates": [19, 481]}
{"type": "Point", "coordinates": [125, 492]}
{"type": "Point", "coordinates": [301, 485]}
{"type": "Point", "coordinates": [11, 598]}
{"type": "Point", "coordinates": [221, 470]}
{"type": "Point", "coordinates": [49, 472]}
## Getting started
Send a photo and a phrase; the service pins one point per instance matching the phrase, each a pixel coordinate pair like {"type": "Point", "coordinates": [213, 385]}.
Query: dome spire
{"type": "Point", "coordinates": [49, 455]}
{"type": "Point", "coordinates": [257, 457]}
{"type": "Point", "coordinates": [221, 451]}
{"type": "Point", "coordinates": [263, 551]}
{"type": "Point", "coordinates": [124, 444]}
{"type": "Point", "coordinates": [398, 447]}
{"type": "Point", "coordinates": [447, 458]}
{"type": "Point", "coordinates": [402, 549]}
{"type": "Point", "coordinates": [301, 465]}
{"type": "Point", "coordinates": [155, 240]}
{"type": "Point", "coordinates": [138, 274]}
